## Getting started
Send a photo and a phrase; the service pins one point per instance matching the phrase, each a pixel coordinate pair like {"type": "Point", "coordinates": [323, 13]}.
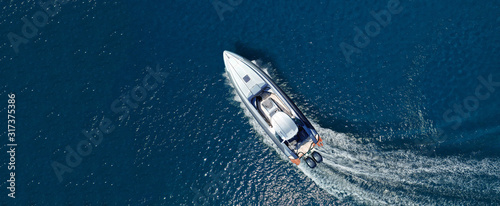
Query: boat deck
{"type": "Point", "coordinates": [304, 149]}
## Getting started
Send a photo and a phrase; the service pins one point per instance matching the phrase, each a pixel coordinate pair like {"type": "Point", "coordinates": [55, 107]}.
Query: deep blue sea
{"type": "Point", "coordinates": [128, 103]}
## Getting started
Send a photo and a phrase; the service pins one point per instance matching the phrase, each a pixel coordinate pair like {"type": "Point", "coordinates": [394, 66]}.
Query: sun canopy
{"type": "Point", "coordinates": [284, 125]}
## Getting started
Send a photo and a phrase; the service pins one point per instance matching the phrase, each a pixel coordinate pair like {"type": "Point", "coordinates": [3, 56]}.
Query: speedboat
{"type": "Point", "coordinates": [289, 129]}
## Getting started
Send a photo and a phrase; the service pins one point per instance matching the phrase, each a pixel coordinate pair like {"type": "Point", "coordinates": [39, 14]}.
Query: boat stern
{"type": "Point", "coordinates": [319, 141]}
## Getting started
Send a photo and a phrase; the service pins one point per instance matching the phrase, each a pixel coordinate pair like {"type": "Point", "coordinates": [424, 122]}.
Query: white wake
{"type": "Point", "coordinates": [360, 172]}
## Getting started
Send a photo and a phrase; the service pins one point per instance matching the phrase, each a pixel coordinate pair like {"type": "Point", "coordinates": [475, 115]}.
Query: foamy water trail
{"type": "Point", "coordinates": [363, 173]}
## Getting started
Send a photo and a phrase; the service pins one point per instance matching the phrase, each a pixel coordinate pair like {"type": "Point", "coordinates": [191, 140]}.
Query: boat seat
{"type": "Point", "coordinates": [257, 103]}
{"type": "Point", "coordinates": [270, 106]}
{"type": "Point", "coordinates": [277, 102]}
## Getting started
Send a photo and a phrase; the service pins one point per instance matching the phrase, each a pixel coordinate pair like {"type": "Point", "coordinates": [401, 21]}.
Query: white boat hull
{"type": "Point", "coordinates": [272, 108]}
